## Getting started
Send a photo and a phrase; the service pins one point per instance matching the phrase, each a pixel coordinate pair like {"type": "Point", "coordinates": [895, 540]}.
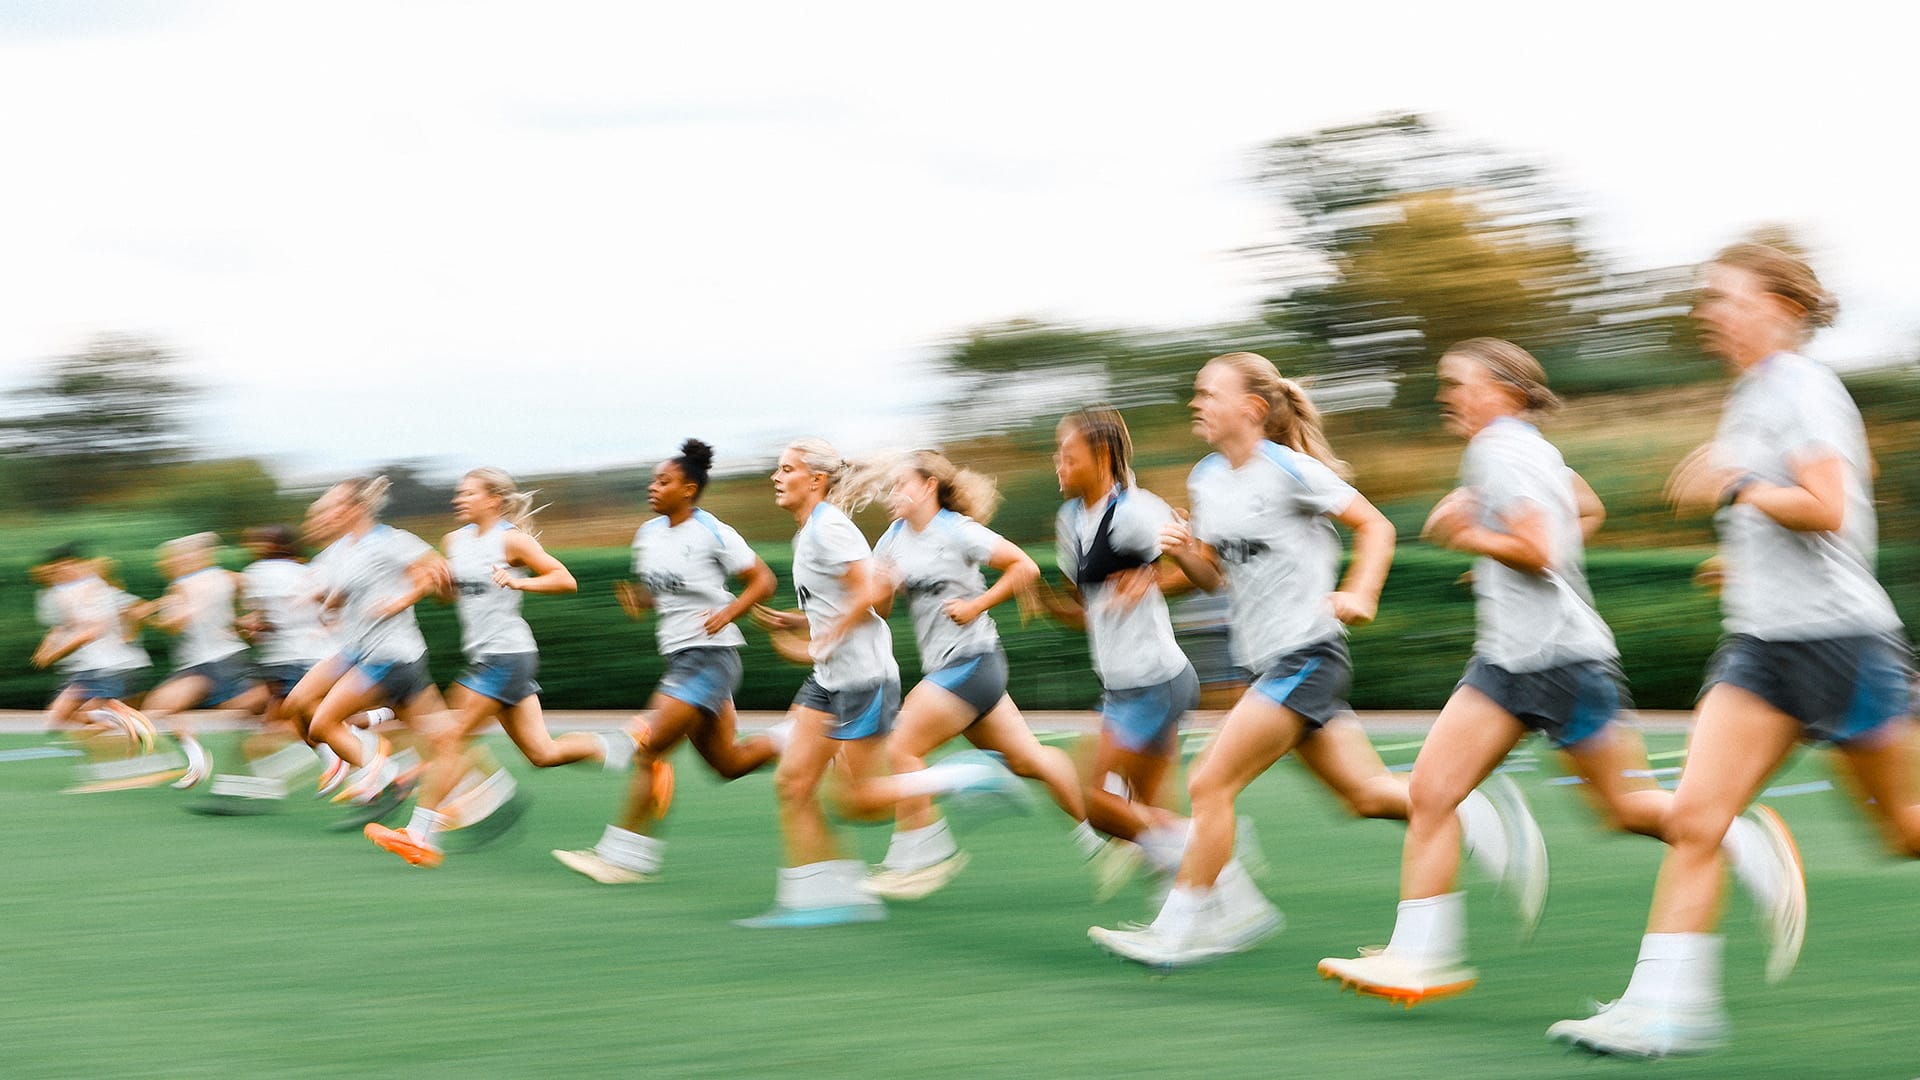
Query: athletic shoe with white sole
{"type": "Point", "coordinates": [1213, 934]}
{"type": "Point", "coordinates": [1399, 979]}
{"type": "Point", "coordinates": [199, 763]}
{"type": "Point", "coordinates": [1783, 913]}
{"type": "Point", "coordinates": [590, 864]}
{"type": "Point", "coordinates": [403, 843]}
{"type": "Point", "coordinates": [890, 884]}
{"type": "Point", "coordinates": [792, 918]}
{"type": "Point", "coordinates": [1527, 877]}
{"type": "Point", "coordinates": [1632, 1030]}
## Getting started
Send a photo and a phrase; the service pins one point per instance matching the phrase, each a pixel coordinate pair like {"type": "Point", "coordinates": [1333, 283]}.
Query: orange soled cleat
{"type": "Point", "coordinates": [402, 843]}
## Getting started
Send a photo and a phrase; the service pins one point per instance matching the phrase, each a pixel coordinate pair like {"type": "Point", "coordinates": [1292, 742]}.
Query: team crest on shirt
{"type": "Point", "coordinates": [658, 582]}
{"type": "Point", "coordinates": [1239, 552]}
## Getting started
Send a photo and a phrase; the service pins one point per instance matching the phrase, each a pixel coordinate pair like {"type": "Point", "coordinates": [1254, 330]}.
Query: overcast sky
{"type": "Point", "coordinates": [555, 235]}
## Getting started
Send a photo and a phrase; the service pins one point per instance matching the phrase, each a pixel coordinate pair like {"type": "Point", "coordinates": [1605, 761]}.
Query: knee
{"type": "Point", "coordinates": [1427, 802]}
{"type": "Point", "coordinates": [900, 759]}
{"type": "Point", "coordinates": [1207, 789]}
{"type": "Point", "coordinates": [792, 788]}
{"type": "Point", "coordinates": [1696, 828]}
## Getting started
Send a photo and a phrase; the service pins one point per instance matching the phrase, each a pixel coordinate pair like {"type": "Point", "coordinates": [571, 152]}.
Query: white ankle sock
{"type": "Point", "coordinates": [423, 825]}
{"type": "Point", "coordinates": [1181, 910]}
{"type": "Point", "coordinates": [616, 750]}
{"type": "Point", "coordinates": [1431, 930]}
{"type": "Point", "coordinates": [1676, 971]}
{"type": "Point", "coordinates": [630, 850]}
{"type": "Point", "coordinates": [916, 849]}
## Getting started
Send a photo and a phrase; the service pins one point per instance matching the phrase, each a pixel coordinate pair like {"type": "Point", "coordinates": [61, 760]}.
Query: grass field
{"type": "Point", "coordinates": [143, 941]}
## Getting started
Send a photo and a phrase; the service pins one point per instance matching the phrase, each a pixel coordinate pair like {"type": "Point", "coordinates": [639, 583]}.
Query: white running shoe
{"type": "Point", "coordinates": [1526, 878]}
{"type": "Point", "coordinates": [1215, 933]}
{"type": "Point", "coordinates": [780, 735]}
{"type": "Point", "coordinates": [890, 884]}
{"type": "Point", "coordinates": [1399, 979]}
{"type": "Point", "coordinates": [1632, 1030]}
{"type": "Point", "coordinates": [590, 863]}
{"type": "Point", "coordinates": [199, 764]}
{"type": "Point", "coordinates": [1783, 912]}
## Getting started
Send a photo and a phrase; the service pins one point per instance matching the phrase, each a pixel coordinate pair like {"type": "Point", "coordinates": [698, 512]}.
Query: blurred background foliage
{"type": "Point", "coordinates": [1391, 239]}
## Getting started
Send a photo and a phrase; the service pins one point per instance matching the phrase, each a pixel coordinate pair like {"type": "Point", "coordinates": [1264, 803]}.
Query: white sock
{"type": "Point", "coordinates": [1237, 894]}
{"type": "Point", "coordinates": [943, 779]}
{"type": "Point", "coordinates": [379, 715]}
{"type": "Point", "coordinates": [369, 742]}
{"type": "Point", "coordinates": [1181, 910]}
{"type": "Point", "coordinates": [328, 759]}
{"type": "Point", "coordinates": [617, 750]}
{"type": "Point", "coordinates": [916, 849]}
{"type": "Point", "coordinates": [1166, 845]}
{"type": "Point", "coordinates": [1482, 836]}
{"type": "Point", "coordinates": [1086, 841]}
{"type": "Point", "coordinates": [424, 824]}
{"type": "Point", "coordinates": [1676, 971]}
{"type": "Point", "coordinates": [1431, 930]}
{"type": "Point", "coordinates": [630, 850]}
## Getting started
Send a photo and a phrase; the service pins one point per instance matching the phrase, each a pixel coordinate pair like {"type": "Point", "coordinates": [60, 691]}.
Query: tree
{"type": "Point", "coordinates": [99, 420]}
{"type": "Point", "coordinates": [1402, 240]}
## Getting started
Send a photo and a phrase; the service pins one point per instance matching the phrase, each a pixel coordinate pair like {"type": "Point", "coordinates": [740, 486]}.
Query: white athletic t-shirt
{"type": "Point", "coordinates": [823, 550]}
{"type": "Point", "coordinates": [365, 574]}
{"type": "Point", "coordinates": [1267, 522]}
{"type": "Point", "coordinates": [1784, 585]}
{"type": "Point", "coordinates": [208, 634]}
{"type": "Point", "coordinates": [490, 619]}
{"type": "Point", "coordinates": [1132, 646]}
{"type": "Point", "coordinates": [934, 565]}
{"type": "Point", "coordinates": [1530, 622]}
{"type": "Point", "coordinates": [687, 567]}
{"type": "Point", "coordinates": [92, 604]}
{"type": "Point", "coordinates": [287, 595]}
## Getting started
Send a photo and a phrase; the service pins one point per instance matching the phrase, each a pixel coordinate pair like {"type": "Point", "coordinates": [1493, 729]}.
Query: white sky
{"type": "Point", "coordinates": [556, 235]}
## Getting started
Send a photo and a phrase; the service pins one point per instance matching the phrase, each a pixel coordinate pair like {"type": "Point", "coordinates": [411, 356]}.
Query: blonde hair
{"type": "Point", "coordinates": [962, 491]}
{"type": "Point", "coordinates": [1292, 420]}
{"type": "Point", "coordinates": [200, 543]}
{"type": "Point", "coordinates": [851, 485]}
{"type": "Point", "coordinates": [515, 505]}
{"type": "Point", "coordinates": [1786, 275]}
{"type": "Point", "coordinates": [1513, 367]}
{"type": "Point", "coordinates": [367, 492]}
{"type": "Point", "coordinates": [1106, 433]}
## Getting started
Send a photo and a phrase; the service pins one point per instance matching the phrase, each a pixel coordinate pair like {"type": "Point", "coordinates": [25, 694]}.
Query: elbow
{"type": "Point", "coordinates": [566, 583]}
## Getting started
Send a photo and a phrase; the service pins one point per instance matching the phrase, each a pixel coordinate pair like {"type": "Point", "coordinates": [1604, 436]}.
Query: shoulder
{"type": "Point", "coordinates": [711, 525]}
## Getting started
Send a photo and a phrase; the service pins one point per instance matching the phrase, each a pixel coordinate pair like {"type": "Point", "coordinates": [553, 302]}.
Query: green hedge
{"type": "Point", "coordinates": [593, 657]}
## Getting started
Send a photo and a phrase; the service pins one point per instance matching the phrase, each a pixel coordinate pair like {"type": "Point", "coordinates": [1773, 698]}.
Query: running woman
{"type": "Point", "coordinates": [282, 618]}
{"type": "Point", "coordinates": [1543, 661]}
{"type": "Point", "coordinates": [1813, 647]}
{"type": "Point", "coordinates": [683, 561]}
{"type": "Point", "coordinates": [934, 552]}
{"type": "Point", "coordinates": [492, 560]}
{"type": "Point", "coordinates": [1263, 507]}
{"type": "Point", "coordinates": [372, 576]}
{"type": "Point", "coordinates": [1107, 537]}
{"type": "Point", "coordinates": [848, 702]}
{"type": "Point", "coordinates": [200, 608]}
{"type": "Point", "coordinates": [89, 640]}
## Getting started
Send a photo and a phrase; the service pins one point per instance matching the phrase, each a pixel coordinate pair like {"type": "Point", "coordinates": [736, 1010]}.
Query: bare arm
{"type": "Point", "coordinates": [1521, 542]}
{"type": "Point", "coordinates": [760, 585]}
{"type": "Point", "coordinates": [549, 574]}
{"type": "Point", "coordinates": [1017, 572]}
{"type": "Point", "coordinates": [1593, 512]}
{"type": "Point", "coordinates": [1358, 598]}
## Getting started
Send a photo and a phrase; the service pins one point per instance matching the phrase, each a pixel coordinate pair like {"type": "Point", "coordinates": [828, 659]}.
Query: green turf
{"type": "Point", "coordinates": [142, 941]}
